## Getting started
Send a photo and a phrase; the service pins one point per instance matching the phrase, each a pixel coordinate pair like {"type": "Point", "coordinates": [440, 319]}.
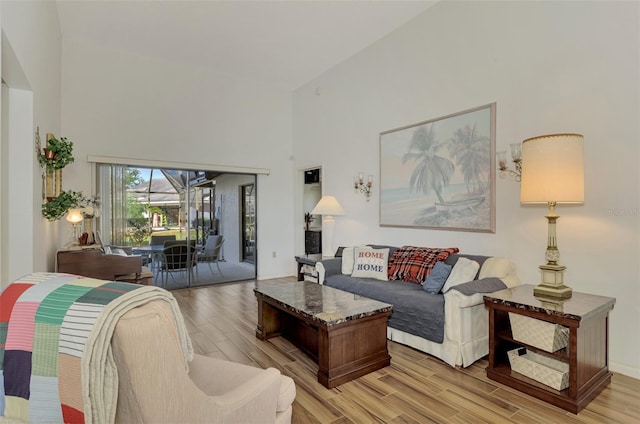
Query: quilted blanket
{"type": "Point", "coordinates": [55, 356]}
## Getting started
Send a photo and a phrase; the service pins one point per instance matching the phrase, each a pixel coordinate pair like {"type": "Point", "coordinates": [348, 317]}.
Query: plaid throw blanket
{"type": "Point", "coordinates": [55, 334]}
{"type": "Point", "coordinates": [414, 264]}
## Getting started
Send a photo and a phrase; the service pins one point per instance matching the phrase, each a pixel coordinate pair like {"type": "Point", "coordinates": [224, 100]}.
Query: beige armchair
{"type": "Point", "coordinates": [157, 386]}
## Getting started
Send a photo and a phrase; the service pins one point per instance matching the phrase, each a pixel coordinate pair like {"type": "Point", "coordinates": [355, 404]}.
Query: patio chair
{"type": "Point", "coordinates": [210, 253]}
{"type": "Point", "coordinates": [155, 256]}
{"type": "Point", "coordinates": [178, 258]}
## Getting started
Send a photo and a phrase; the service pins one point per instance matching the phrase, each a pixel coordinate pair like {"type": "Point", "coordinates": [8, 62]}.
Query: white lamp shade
{"type": "Point", "coordinates": [328, 205]}
{"type": "Point", "coordinates": [74, 216]}
{"type": "Point", "coordinates": [553, 169]}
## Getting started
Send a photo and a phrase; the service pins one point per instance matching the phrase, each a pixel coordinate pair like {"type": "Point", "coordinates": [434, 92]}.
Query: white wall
{"type": "Point", "coordinates": [31, 67]}
{"type": "Point", "coordinates": [551, 67]}
{"type": "Point", "coordinates": [116, 103]}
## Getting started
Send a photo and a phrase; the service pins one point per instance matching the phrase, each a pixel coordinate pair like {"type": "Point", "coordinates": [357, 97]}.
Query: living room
{"type": "Point", "coordinates": [549, 66]}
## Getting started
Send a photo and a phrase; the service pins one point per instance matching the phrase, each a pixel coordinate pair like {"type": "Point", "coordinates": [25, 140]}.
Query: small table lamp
{"type": "Point", "coordinates": [74, 217]}
{"type": "Point", "coordinates": [328, 206]}
{"type": "Point", "coordinates": [552, 173]}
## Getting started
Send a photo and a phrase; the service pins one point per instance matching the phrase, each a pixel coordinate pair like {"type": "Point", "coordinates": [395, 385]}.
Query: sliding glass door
{"type": "Point", "coordinates": [182, 222]}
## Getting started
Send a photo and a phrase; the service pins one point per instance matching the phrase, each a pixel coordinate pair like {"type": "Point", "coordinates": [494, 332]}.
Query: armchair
{"type": "Point", "coordinates": [157, 385]}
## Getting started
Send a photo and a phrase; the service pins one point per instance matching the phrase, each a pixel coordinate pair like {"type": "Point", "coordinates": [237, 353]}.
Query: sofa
{"type": "Point", "coordinates": [436, 293]}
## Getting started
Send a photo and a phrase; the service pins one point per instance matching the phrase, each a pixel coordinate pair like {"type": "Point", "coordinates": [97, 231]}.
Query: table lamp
{"type": "Point", "coordinates": [552, 173]}
{"type": "Point", "coordinates": [328, 207]}
{"type": "Point", "coordinates": [75, 218]}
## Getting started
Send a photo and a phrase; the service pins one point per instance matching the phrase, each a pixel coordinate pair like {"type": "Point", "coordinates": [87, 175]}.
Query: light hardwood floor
{"type": "Point", "coordinates": [416, 388]}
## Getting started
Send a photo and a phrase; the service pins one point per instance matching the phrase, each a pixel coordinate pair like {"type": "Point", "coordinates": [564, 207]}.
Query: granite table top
{"type": "Point", "coordinates": [320, 303]}
{"type": "Point", "coordinates": [580, 306]}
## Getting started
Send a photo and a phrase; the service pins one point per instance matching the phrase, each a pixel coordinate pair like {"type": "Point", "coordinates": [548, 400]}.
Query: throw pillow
{"type": "Point", "coordinates": [495, 267]}
{"type": "Point", "coordinates": [436, 279]}
{"type": "Point", "coordinates": [370, 263]}
{"type": "Point", "coordinates": [464, 270]}
{"type": "Point", "coordinates": [347, 260]}
{"type": "Point", "coordinates": [413, 264]}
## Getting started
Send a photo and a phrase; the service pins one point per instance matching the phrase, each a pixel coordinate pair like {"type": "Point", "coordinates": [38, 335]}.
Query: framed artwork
{"type": "Point", "coordinates": [440, 174]}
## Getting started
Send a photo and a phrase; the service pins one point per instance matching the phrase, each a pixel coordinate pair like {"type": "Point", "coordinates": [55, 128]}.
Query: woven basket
{"type": "Point", "coordinates": [548, 371]}
{"type": "Point", "coordinates": [541, 334]}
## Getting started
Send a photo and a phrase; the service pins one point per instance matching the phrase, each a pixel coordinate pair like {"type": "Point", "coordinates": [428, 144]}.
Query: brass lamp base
{"type": "Point", "coordinates": [552, 284]}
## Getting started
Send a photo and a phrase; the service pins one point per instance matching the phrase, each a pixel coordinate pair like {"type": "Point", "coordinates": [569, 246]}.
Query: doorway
{"type": "Point", "coordinates": [248, 207]}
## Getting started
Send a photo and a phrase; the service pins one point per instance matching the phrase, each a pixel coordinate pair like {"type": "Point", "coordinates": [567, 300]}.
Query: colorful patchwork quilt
{"type": "Point", "coordinates": [55, 333]}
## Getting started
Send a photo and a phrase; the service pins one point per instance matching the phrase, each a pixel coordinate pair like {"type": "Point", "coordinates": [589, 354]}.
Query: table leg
{"type": "Point", "coordinates": [268, 320]}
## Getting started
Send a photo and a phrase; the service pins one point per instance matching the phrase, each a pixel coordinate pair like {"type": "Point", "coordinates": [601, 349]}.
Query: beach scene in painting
{"type": "Point", "coordinates": [438, 173]}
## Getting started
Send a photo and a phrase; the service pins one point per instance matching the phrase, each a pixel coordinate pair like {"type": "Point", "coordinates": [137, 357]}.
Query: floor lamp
{"type": "Point", "coordinates": [328, 207]}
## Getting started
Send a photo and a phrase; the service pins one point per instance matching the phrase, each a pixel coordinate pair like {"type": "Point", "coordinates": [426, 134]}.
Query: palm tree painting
{"type": "Point", "coordinates": [439, 173]}
{"type": "Point", "coordinates": [471, 151]}
{"type": "Point", "coordinates": [432, 172]}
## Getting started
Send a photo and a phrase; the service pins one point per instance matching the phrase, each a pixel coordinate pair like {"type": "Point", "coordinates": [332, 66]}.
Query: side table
{"type": "Point", "coordinates": [306, 267]}
{"type": "Point", "coordinates": [587, 351]}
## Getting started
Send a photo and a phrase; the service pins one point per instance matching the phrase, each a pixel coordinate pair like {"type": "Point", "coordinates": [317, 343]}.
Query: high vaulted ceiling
{"type": "Point", "coordinates": [281, 43]}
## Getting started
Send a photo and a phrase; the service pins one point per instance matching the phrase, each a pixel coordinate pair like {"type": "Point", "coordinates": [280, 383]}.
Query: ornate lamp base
{"type": "Point", "coordinates": [552, 284]}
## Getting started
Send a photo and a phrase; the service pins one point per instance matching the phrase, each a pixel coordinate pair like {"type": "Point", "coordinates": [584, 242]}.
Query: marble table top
{"type": "Point", "coordinates": [578, 307]}
{"type": "Point", "coordinates": [320, 303]}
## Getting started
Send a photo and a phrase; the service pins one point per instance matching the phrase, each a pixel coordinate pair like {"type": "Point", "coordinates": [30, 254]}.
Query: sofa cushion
{"type": "Point", "coordinates": [452, 259]}
{"type": "Point", "coordinates": [495, 267]}
{"type": "Point", "coordinates": [463, 271]}
{"type": "Point", "coordinates": [436, 279]}
{"type": "Point", "coordinates": [413, 264]}
{"type": "Point", "coordinates": [370, 263]}
{"type": "Point", "coordinates": [414, 311]}
{"type": "Point", "coordinates": [347, 260]}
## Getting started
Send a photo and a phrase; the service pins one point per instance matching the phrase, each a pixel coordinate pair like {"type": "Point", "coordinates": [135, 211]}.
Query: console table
{"type": "Point", "coordinates": [587, 352]}
{"type": "Point", "coordinates": [95, 264]}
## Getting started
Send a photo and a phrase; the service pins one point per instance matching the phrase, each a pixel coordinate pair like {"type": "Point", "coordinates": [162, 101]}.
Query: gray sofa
{"type": "Point", "coordinates": [452, 326]}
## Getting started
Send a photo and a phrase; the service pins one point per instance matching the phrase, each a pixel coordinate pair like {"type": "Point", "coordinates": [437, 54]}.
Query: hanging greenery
{"type": "Point", "coordinates": [57, 154]}
{"type": "Point", "coordinates": [58, 206]}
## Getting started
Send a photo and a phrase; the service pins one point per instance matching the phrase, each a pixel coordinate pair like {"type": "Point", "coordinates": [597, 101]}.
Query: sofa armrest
{"type": "Point", "coordinates": [455, 299]}
{"type": "Point", "coordinates": [471, 293]}
{"type": "Point", "coordinates": [327, 268]}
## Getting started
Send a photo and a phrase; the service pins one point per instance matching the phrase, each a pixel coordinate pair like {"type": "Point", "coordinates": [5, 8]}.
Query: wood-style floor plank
{"type": "Point", "coordinates": [416, 388]}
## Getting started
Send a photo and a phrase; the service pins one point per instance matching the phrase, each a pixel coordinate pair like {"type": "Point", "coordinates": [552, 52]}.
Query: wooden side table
{"type": "Point", "coordinates": [309, 260]}
{"type": "Point", "coordinates": [587, 352]}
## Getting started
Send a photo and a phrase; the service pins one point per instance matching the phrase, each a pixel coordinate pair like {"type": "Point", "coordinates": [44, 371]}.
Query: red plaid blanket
{"type": "Point", "coordinates": [414, 264]}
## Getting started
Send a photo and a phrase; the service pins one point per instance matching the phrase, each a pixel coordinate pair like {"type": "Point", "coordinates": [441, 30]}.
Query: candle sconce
{"type": "Point", "coordinates": [516, 158]}
{"type": "Point", "coordinates": [359, 185]}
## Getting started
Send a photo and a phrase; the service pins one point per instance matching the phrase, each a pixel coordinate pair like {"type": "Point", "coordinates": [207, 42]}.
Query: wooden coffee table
{"type": "Point", "coordinates": [345, 334]}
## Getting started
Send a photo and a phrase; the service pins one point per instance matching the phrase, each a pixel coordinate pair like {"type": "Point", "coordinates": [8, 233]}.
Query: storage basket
{"type": "Point", "coordinates": [548, 371]}
{"type": "Point", "coordinates": [537, 333]}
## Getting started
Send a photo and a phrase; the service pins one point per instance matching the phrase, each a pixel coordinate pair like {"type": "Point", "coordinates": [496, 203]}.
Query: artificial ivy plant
{"type": "Point", "coordinates": [57, 154]}
{"type": "Point", "coordinates": [58, 206]}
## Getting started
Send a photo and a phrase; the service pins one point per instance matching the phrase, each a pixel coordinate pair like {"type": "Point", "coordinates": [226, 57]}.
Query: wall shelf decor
{"type": "Point", "coordinates": [55, 155]}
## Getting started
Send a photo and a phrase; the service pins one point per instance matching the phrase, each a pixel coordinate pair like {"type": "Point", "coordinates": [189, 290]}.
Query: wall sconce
{"type": "Point", "coordinates": [516, 157]}
{"type": "Point", "coordinates": [360, 186]}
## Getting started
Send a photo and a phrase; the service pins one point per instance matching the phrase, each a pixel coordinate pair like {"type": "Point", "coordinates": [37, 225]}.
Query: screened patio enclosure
{"type": "Point", "coordinates": [144, 205]}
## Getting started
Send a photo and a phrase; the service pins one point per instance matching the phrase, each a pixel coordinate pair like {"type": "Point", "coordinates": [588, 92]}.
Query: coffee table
{"type": "Point", "coordinates": [345, 334]}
